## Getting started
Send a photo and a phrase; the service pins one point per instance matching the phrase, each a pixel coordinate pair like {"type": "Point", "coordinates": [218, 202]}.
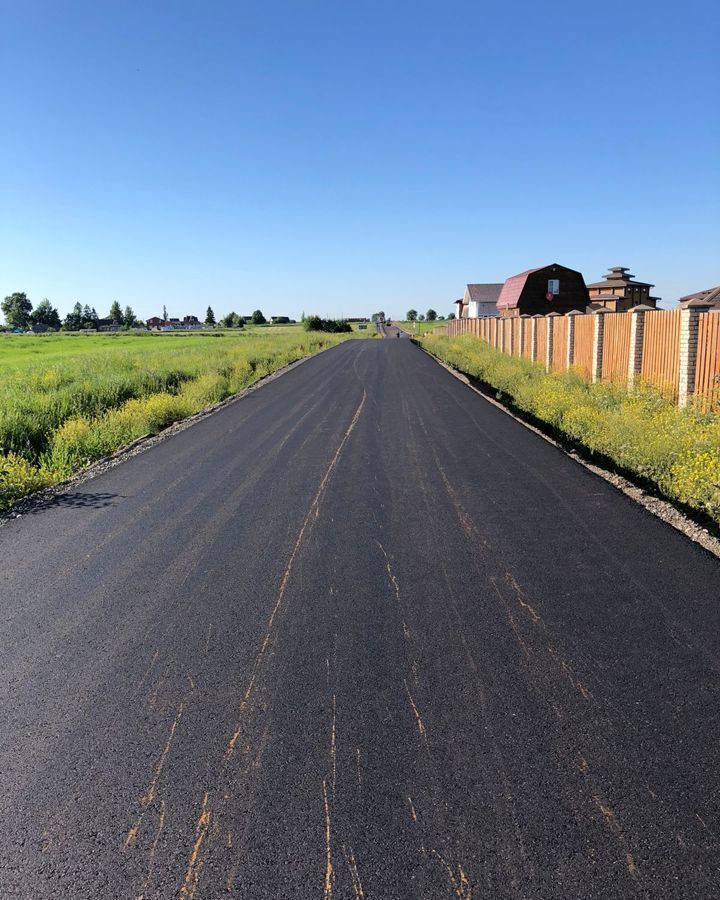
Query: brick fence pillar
{"type": "Point", "coordinates": [689, 318]}
{"type": "Point", "coordinates": [598, 340]}
{"type": "Point", "coordinates": [521, 334]}
{"type": "Point", "coordinates": [637, 342]}
{"type": "Point", "coordinates": [533, 337]}
{"type": "Point", "coordinates": [550, 350]}
{"type": "Point", "coordinates": [570, 348]}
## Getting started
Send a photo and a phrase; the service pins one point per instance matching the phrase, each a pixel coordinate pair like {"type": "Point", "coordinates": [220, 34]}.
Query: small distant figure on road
{"type": "Point", "coordinates": [397, 334]}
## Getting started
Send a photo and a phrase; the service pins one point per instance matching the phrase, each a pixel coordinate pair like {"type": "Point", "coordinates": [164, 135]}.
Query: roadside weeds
{"type": "Point", "coordinates": [659, 506]}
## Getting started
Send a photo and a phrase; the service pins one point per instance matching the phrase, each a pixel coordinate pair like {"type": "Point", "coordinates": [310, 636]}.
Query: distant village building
{"type": "Point", "coordinates": [188, 323]}
{"type": "Point", "coordinates": [709, 298]}
{"type": "Point", "coordinates": [540, 291]}
{"type": "Point", "coordinates": [619, 291]}
{"type": "Point", "coordinates": [107, 325]}
{"type": "Point", "coordinates": [480, 300]}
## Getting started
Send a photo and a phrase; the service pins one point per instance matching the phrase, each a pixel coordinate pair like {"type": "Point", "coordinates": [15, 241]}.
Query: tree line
{"type": "Point", "coordinates": [412, 315]}
{"type": "Point", "coordinates": [19, 313]}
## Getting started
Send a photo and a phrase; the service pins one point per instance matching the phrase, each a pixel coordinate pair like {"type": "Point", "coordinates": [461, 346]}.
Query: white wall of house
{"type": "Point", "coordinates": [477, 309]}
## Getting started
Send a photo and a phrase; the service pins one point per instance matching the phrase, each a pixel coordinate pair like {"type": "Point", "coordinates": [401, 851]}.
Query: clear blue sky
{"type": "Point", "coordinates": [342, 158]}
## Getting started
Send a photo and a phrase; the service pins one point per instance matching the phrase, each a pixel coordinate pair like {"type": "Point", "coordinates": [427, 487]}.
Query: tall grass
{"type": "Point", "coordinates": [640, 431]}
{"type": "Point", "coordinates": [97, 395]}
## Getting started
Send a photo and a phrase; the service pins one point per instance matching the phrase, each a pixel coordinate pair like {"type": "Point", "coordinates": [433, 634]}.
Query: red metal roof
{"type": "Point", "coordinates": [511, 290]}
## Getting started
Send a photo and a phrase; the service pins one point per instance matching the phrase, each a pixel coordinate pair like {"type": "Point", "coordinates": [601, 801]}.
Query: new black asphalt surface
{"type": "Point", "coordinates": [358, 635]}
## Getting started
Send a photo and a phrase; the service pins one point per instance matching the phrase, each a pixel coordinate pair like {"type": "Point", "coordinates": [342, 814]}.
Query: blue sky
{"type": "Point", "coordinates": [343, 158]}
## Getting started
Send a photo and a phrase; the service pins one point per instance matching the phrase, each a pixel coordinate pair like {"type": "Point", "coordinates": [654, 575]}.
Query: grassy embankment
{"type": "Point", "coordinates": [68, 400]}
{"type": "Point", "coordinates": [640, 433]}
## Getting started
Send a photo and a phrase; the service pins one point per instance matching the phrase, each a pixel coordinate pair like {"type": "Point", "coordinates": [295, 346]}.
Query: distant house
{"type": "Point", "coordinates": [709, 298]}
{"type": "Point", "coordinates": [480, 300]}
{"type": "Point", "coordinates": [155, 322]}
{"type": "Point", "coordinates": [280, 320]}
{"type": "Point", "coordinates": [39, 328]}
{"type": "Point", "coordinates": [192, 323]}
{"type": "Point", "coordinates": [107, 325]}
{"type": "Point", "coordinates": [620, 292]}
{"type": "Point", "coordinates": [540, 291]}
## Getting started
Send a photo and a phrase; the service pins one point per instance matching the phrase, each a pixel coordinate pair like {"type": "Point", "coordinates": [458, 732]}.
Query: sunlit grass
{"type": "Point", "coordinates": [67, 400]}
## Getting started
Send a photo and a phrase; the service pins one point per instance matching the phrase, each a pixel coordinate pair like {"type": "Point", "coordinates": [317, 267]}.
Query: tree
{"type": "Point", "coordinates": [431, 315]}
{"type": "Point", "coordinates": [74, 320]}
{"type": "Point", "coordinates": [16, 309]}
{"type": "Point", "coordinates": [334, 326]}
{"type": "Point", "coordinates": [257, 318]}
{"type": "Point", "coordinates": [209, 316]}
{"type": "Point", "coordinates": [232, 320]}
{"type": "Point", "coordinates": [45, 314]}
{"type": "Point", "coordinates": [115, 315]}
{"type": "Point", "coordinates": [451, 316]}
{"type": "Point", "coordinates": [411, 315]}
{"type": "Point", "coordinates": [164, 313]}
{"type": "Point", "coordinates": [421, 318]}
{"type": "Point", "coordinates": [129, 318]}
{"type": "Point", "coordinates": [89, 317]}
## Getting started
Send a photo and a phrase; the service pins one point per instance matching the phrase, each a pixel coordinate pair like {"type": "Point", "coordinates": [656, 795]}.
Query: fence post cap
{"type": "Point", "coordinates": [642, 308]}
{"type": "Point", "coordinates": [575, 312]}
{"type": "Point", "coordinates": [552, 314]}
{"type": "Point", "coordinates": [537, 316]}
{"type": "Point", "coordinates": [601, 310]}
{"type": "Point", "coordinates": [524, 316]}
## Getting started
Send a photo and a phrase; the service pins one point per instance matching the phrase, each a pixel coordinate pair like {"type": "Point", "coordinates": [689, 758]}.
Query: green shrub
{"type": "Point", "coordinates": [333, 326]}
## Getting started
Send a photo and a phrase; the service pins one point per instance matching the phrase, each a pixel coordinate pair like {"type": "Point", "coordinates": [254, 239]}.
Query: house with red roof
{"type": "Point", "coordinates": [540, 291]}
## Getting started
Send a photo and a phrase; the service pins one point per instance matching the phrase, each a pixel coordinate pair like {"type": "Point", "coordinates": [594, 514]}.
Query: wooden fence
{"type": "Point", "coordinates": [677, 350]}
{"type": "Point", "coordinates": [707, 365]}
{"type": "Point", "coordinates": [661, 350]}
{"type": "Point", "coordinates": [616, 347]}
{"type": "Point", "coordinates": [583, 350]}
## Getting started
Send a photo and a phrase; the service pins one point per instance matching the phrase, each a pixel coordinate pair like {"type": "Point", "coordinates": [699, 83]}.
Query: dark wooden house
{"type": "Point", "coordinates": [619, 291]}
{"type": "Point", "coordinates": [552, 288]}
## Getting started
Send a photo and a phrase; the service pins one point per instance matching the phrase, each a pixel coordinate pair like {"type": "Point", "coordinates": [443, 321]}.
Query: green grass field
{"type": "Point", "coordinates": [69, 399]}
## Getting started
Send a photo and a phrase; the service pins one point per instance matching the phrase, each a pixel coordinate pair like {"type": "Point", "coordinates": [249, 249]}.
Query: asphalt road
{"type": "Point", "coordinates": [357, 635]}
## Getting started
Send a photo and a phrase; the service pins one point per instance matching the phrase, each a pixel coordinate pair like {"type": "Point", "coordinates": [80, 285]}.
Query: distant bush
{"type": "Point", "coordinates": [640, 431]}
{"type": "Point", "coordinates": [333, 326]}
